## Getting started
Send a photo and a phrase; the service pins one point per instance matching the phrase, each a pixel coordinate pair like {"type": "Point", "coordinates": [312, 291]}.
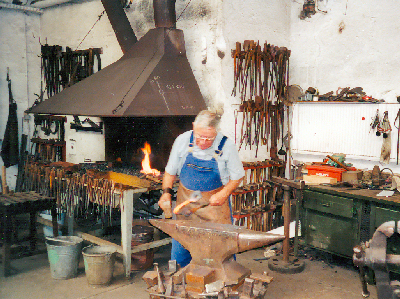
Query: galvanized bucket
{"type": "Point", "coordinates": [64, 253]}
{"type": "Point", "coordinates": [99, 264]}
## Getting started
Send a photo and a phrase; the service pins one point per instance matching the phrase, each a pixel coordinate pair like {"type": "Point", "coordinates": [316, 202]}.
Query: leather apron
{"type": "Point", "coordinates": [203, 175]}
{"type": "Point", "coordinates": [200, 175]}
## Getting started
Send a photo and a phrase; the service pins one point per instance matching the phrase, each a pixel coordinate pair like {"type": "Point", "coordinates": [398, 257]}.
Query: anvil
{"type": "Point", "coordinates": [213, 245]}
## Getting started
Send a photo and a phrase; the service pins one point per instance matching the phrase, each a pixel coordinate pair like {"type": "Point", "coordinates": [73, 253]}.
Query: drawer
{"type": "Point", "coordinates": [383, 215]}
{"type": "Point", "coordinates": [327, 203]}
{"type": "Point", "coordinates": [327, 232]}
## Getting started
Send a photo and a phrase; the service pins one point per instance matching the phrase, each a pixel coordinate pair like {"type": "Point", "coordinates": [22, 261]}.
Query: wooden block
{"type": "Point", "coordinates": [197, 278]}
{"type": "Point", "coordinates": [261, 277]}
{"type": "Point", "coordinates": [177, 277]}
{"type": "Point", "coordinates": [248, 287]}
{"type": "Point", "coordinates": [350, 176]}
{"type": "Point", "coordinates": [151, 278]}
{"type": "Point", "coordinates": [316, 180]}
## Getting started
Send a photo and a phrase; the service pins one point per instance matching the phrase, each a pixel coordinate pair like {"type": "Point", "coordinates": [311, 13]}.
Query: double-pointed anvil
{"type": "Point", "coordinates": [212, 245]}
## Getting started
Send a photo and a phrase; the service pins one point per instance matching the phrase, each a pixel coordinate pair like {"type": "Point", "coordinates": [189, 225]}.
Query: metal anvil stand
{"type": "Point", "coordinates": [286, 263]}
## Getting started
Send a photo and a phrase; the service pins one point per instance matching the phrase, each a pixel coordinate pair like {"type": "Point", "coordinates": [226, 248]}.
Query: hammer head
{"type": "Point", "coordinates": [191, 205]}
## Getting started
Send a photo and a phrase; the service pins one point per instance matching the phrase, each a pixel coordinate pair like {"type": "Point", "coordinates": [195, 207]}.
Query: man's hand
{"type": "Point", "coordinates": [218, 199]}
{"type": "Point", "coordinates": [165, 204]}
{"type": "Point", "coordinates": [165, 200]}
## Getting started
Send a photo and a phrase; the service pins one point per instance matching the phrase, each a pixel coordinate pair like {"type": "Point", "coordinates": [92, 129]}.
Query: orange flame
{"type": "Point", "coordinates": [146, 168]}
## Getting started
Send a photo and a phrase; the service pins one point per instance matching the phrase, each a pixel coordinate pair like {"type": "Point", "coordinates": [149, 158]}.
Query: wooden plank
{"type": "Point", "coordinates": [126, 179]}
{"type": "Point", "coordinates": [30, 196]}
{"type": "Point", "coordinates": [14, 198]}
{"type": "Point", "coordinates": [99, 241]}
{"type": "Point", "coordinates": [316, 180]}
{"type": "Point", "coordinates": [150, 245]}
{"type": "Point", "coordinates": [5, 202]}
{"type": "Point", "coordinates": [298, 185]}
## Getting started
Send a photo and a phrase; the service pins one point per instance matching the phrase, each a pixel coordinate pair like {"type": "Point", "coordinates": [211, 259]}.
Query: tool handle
{"type": "Point", "coordinates": [338, 163]}
{"type": "Point", "coordinates": [199, 207]}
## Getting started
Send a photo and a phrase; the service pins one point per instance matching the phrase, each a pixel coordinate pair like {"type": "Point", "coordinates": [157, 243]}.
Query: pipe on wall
{"type": "Point", "coordinates": [21, 8]}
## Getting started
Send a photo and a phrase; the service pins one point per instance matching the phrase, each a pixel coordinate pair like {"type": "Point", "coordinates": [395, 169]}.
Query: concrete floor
{"type": "Point", "coordinates": [325, 277]}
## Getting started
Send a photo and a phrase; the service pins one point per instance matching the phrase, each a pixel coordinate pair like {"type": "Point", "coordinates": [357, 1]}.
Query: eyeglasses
{"type": "Point", "coordinates": [204, 138]}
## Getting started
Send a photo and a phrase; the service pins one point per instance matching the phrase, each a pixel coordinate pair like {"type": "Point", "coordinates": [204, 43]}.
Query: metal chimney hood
{"type": "Point", "coordinates": [152, 78]}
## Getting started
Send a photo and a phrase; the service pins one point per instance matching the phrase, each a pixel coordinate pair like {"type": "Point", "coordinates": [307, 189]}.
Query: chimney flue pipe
{"type": "Point", "coordinates": [164, 13]}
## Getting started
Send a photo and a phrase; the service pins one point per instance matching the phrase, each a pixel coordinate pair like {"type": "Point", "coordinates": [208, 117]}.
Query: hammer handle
{"type": "Point", "coordinates": [338, 163]}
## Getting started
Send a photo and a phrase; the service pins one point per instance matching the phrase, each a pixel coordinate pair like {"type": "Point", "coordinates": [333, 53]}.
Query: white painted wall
{"type": "Point", "coordinates": [84, 146]}
{"type": "Point", "coordinates": [19, 47]}
{"type": "Point", "coordinates": [211, 28]}
{"type": "Point", "coordinates": [364, 54]}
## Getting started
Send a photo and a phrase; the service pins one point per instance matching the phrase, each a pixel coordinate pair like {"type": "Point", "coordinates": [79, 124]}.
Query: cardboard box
{"type": "Point", "coordinates": [351, 176]}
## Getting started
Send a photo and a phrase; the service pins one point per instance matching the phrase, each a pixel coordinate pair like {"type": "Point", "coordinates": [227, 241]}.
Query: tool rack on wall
{"type": "Point", "coordinates": [252, 206]}
{"type": "Point", "coordinates": [48, 141]}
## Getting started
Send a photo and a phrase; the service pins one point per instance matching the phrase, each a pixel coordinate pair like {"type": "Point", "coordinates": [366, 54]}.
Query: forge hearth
{"type": "Point", "coordinates": [126, 136]}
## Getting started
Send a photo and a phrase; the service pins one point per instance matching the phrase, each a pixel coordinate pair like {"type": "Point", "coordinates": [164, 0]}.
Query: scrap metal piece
{"type": "Point", "coordinates": [160, 288]}
{"type": "Point", "coordinates": [170, 288]}
{"type": "Point", "coordinates": [248, 287]}
{"type": "Point", "coordinates": [215, 286]}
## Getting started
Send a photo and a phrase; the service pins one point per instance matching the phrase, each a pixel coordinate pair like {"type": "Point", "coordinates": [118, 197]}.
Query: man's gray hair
{"type": "Point", "coordinates": [206, 119]}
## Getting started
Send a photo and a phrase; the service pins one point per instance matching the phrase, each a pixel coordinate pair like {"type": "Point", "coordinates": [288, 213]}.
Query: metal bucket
{"type": "Point", "coordinates": [99, 264]}
{"type": "Point", "coordinates": [142, 260]}
{"type": "Point", "coordinates": [64, 253]}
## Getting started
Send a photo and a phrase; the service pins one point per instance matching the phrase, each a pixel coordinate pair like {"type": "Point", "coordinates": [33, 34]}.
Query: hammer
{"type": "Point", "coordinates": [191, 205]}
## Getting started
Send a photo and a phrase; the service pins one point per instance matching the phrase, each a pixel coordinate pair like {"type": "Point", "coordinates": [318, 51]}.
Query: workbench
{"type": "Point", "coordinates": [335, 219]}
{"type": "Point", "coordinates": [125, 249]}
{"type": "Point", "coordinates": [16, 204]}
{"type": "Point", "coordinates": [74, 191]}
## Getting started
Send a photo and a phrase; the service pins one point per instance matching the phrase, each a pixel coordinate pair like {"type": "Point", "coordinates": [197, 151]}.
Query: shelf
{"type": "Point", "coordinates": [250, 190]}
{"type": "Point", "coordinates": [240, 216]}
{"type": "Point", "coordinates": [342, 102]}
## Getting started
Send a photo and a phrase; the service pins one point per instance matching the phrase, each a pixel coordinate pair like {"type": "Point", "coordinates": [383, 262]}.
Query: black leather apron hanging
{"type": "Point", "coordinates": [9, 147]}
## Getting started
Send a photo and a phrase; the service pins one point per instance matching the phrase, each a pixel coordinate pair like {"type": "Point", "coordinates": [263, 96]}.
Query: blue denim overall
{"type": "Point", "coordinates": [197, 174]}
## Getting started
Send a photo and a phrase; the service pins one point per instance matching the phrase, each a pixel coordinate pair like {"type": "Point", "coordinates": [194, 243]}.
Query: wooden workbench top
{"type": "Point", "coordinates": [363, 194]}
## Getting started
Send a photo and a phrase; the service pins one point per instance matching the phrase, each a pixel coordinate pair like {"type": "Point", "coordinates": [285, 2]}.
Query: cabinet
{"type": "Point", "coordinates": [337, 219]}
{"type": "Point", "coordinates": [331, 223]}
